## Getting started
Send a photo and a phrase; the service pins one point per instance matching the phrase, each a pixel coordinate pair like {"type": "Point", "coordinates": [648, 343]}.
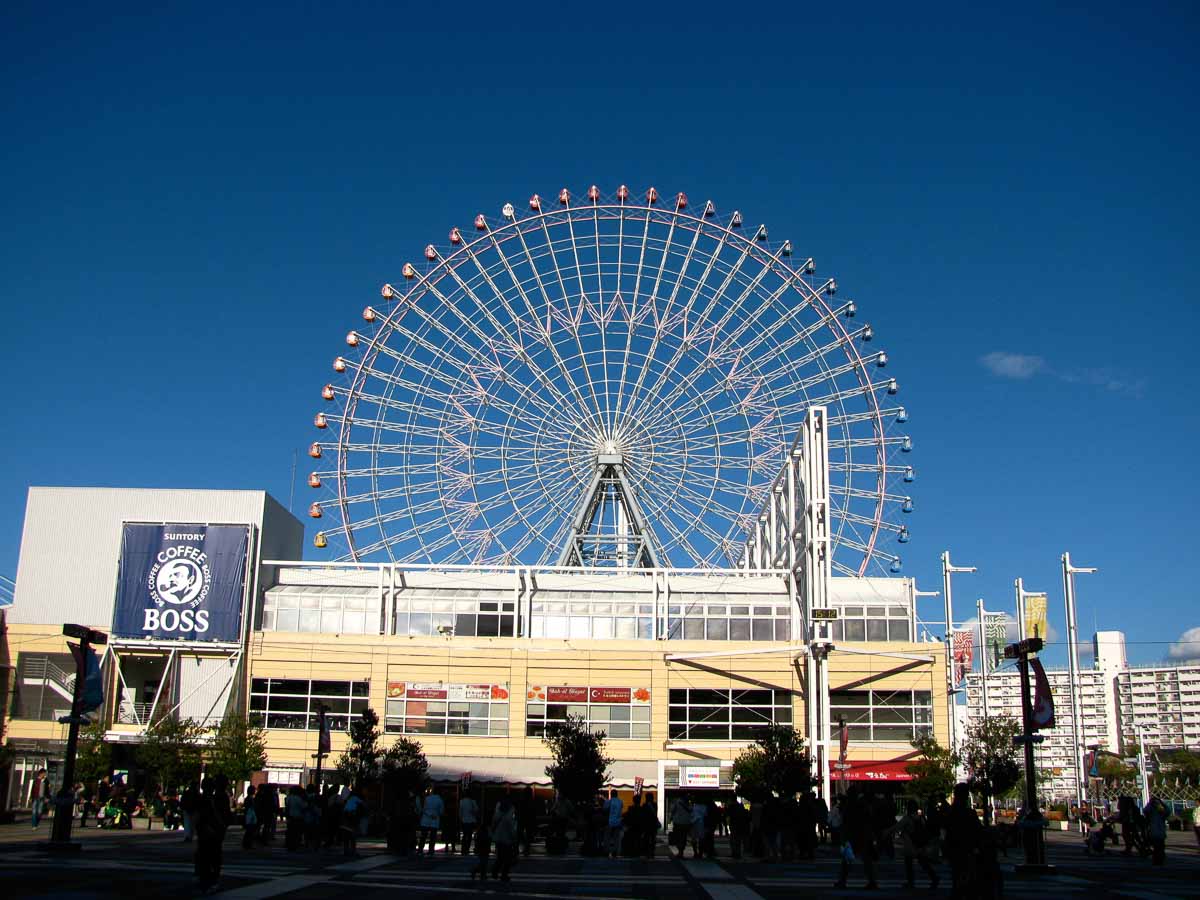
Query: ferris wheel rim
{"type": "Point", "coordinates": [510, 228]}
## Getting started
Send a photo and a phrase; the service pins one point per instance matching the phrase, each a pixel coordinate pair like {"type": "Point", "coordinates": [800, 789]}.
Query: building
{"type": "Point", "coordinates": [1116, 701]}
{"type": "Point", "coordinates": [681, 669]}
{"type": "Point", "coordinates": [1161, 705]}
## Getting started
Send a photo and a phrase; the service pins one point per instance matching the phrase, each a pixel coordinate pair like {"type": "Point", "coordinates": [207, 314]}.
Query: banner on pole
{"type": "Point", "coordinates": [1043, 698]}
{"type": "Point", "coordinates": [324, 744]}
{"type": "Point", "coordinates": [963, 650]}
{"type": "Point", "coordinates": [995, 633]}
{"type": "Point", "coordinates": [1035, 616]}
{"type": "Point", "coordinates": [638, 783]}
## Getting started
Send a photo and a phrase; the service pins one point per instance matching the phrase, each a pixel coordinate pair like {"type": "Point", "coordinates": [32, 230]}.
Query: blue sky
{"type": "Point", "coordinates": [199, 200]}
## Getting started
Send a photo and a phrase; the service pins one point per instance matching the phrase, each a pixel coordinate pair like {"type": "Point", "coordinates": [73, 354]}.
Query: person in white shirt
{"type": "Point", "coordinates": [431, 821]}
{"type": "Point", "coordinates": [468, 820]}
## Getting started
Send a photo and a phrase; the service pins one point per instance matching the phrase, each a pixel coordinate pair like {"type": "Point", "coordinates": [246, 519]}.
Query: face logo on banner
{"type": "Point", "coordinates": [181, 574]}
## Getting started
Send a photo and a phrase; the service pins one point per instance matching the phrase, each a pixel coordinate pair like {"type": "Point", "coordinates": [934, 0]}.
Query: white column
{"type": "Point", "coordinates": [1073, 668]}
{"type": "Point", "coordinates": [951, 691]}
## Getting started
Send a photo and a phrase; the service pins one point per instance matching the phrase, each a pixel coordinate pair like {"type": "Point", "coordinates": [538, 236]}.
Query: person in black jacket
{"type": "Point", "coordinates": [211, 820]}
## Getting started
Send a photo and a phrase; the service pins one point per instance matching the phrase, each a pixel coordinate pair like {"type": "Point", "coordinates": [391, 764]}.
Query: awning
{"type": "Point", "coordinates": [871, 770]}
{"type": "Point", "coordinates": [517, 770]}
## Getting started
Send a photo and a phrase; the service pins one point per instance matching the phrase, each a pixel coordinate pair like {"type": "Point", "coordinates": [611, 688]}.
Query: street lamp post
{"type": "Point", "coordinates": [949, 569]}
{"type": "Point", "coordinates": [1069, 572]}
{"type": "Point", "coordinates": [60, 835]}
{"type": "Point", "coordinates": [1033, 836]}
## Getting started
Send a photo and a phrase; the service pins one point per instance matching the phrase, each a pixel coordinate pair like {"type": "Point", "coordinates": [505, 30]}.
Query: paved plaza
{"type": "Point", "coordinates": [139, 863]}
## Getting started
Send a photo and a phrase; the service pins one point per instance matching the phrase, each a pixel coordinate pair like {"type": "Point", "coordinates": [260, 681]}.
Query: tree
{"type": "Point", "coordinates": [171, 751]}
{"type": "Point", "coordinates": [935, 773]}
{"type": "Point", "coordinates": [1112, 768]}
{"type": "Point", "coordinates": [778, 763]}
{"type": "Point", "coordinates": [1183, 764]}
{"type": "Point", "coordinates": [359, 765]}
{"type": "Point", "coordinates": [580, 768]}
{"type": "Point", "coordinates": [238, 748]}
{"type": "Point", "coordinates": [93, 759]}
{"type": "Point", "coordinates": [404, 767]}
{"type": "Point", "coordinates": [990, 756]}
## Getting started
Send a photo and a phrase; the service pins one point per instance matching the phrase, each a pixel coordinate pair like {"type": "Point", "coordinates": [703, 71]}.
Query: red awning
{"type": "Point", "coordinates": [871, 770]}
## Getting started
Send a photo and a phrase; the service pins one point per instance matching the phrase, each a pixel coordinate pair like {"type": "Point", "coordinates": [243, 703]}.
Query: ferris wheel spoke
{"type": "Point", "coordinates": [516, 342]}
{"type": "Point", "coordinates": [574, 318]}
{"type": "Point", "coordinates": [580, 402]}
{"type": "Point", "coordinates": [666, 321]}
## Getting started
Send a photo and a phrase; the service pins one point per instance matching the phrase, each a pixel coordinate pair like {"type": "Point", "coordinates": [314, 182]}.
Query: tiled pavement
{"type": "Point", "coordinates": [138, 863]}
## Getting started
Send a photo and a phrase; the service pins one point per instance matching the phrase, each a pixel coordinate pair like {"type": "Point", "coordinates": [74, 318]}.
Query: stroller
{"type": "Point", "coordinates": [1099, 832]}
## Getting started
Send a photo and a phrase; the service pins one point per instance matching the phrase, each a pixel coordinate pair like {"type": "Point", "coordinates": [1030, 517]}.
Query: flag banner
{"type": "Point", "coordinates": [1035, 616]}
{"type": "Point", "coordinates": [995, 633]}
{"type": "Point", "coordinates": [843, 741]}
{"type": "Point", "coordinates": [638, 783]}
{"type": "Point", "coordinates": [183, 582]}
{"type": "Point", "coordinates": [1043, 700]}
{"type": "Point", "coordinates": [963, 652]}
{"type": "Point", "coordinates": [324, 742]}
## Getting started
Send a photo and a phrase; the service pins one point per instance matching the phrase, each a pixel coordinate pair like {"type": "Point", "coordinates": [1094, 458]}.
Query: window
{"type": "Point", "coordinates": [592, 614]}
{"type": "Point", "coordinates": [728, 617]}
{"type": "Point", "coordinates": [882, 715]}
{"type": "Point", "coordinates": [726, 715]}
{"type": "Point", "coordinates": [296, 703]}
{"type": "Point", "coordinates": [462, 612]}
{"type": "Point", "coordinates": [327, 610]}
{"type": "Point", "coordinates": [872, 623]}
{"type": "Point", "coordinates": [44, 685]}
{"type": "Point", "coordinates": [438, 708]}
{"type": "Point", "coordinates": [621, 713]}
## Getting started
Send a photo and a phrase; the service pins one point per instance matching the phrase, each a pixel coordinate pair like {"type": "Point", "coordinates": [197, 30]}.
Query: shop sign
{"type": "Point", "coordinates": [699, 776]}
{"type": "Point", "coordinates": [611, 695]}
{"type": "Point", "coordinates": [183, 582]}
{"type": "Point", "coordinates": [417, 690]}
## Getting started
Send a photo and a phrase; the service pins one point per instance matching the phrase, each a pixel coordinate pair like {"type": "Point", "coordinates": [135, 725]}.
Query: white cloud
{"type": "Point", "coordinates": [1012, 365]}
{"type": "Point", "coordinates": [1023, 366]}
{"type": "Point", "coordinates": [1187, 647]}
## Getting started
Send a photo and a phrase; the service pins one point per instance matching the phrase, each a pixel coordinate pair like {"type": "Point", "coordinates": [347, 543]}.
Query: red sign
{"type": "Point", "coordinates": [426, 694]}
{"type": "Point", "coordinates": [638, 781]}
{"type": "Point", "coordinates": [872, 770]}
{"type": "Point", "coordinates": [566, 695]}
{"type": "Point", "coordinates": [611, 695]}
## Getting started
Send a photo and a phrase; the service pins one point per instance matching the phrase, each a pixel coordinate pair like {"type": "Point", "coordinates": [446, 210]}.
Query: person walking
{"type": "Point", "coordinates": [352, 811]}
{"type": "Point", "coordinates": [681, 824]}
{"type": "Point", "coordinates": [613, 809]}
{"type": "Point", "coordinates": [504, 833]}
{"type": "Point", "coordinates": [964, 834]}
{"type": "Point", "coordinates": [431, 821]}
{"type": "Point", "coordinates": [739, 823]}
{"type": "Point", "coordinates": [860, 841]}
{"type": "Point", "coordinates": [699, 828]}
{"type": "Point", "coordinates": [188, 802]}
{"type": "Point", "coordinates": [649, 828]}
{"type": "Point", "coordinates": [211, 819]}
{"type": "Point", "coordinates": [914, 844]}
{"type": "Point", "coordinates": [38, 797]}
{"type": "Point", "coordinates": [249, 819]}
{"type": "Point", "coordinates": [294, 810]}
{"type": "Point", "coordinates": [483, 850]}
{"type": "Point", "coordinates": [468, 820]}
{"type": "Point", "coordinates": [1156, 830]}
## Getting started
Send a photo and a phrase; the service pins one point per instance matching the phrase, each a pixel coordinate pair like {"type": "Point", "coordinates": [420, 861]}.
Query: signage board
{"type": "Point", "coordinates": [699, 776]}
{"type": "Point", "coordinates": [825, 615]}
{"type": "Point", "coordinates": [618, 696]}
{"type": "Point", "coordinates": [181, 582]}
{"type": "Point", "coordinates": [436, 690]}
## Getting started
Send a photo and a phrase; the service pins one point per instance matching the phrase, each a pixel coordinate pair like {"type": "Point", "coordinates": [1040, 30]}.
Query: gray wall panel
{"type": "Point", "coordinates": [71, 542]}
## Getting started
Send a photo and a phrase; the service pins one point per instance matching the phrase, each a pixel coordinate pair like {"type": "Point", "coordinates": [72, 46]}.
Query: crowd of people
{"type": "Point", "coordinates": [861, 826]}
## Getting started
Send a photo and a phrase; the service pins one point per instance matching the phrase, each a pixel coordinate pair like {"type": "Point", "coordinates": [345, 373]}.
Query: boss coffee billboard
{"type": "Point", "coordinates": [181, 582]}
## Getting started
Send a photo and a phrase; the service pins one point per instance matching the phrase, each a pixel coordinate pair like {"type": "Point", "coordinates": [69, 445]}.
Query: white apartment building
{"type": "Point", "coordinates": [1054, 757]}
{"type": "Point", "coordinates": [1164, 701]}
{"type": "Point", "coordinates": [1116, 699]}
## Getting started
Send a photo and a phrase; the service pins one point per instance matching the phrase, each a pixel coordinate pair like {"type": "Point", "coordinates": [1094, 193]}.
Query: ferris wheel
{"type": "Point", "coordinates": [603, 380]}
